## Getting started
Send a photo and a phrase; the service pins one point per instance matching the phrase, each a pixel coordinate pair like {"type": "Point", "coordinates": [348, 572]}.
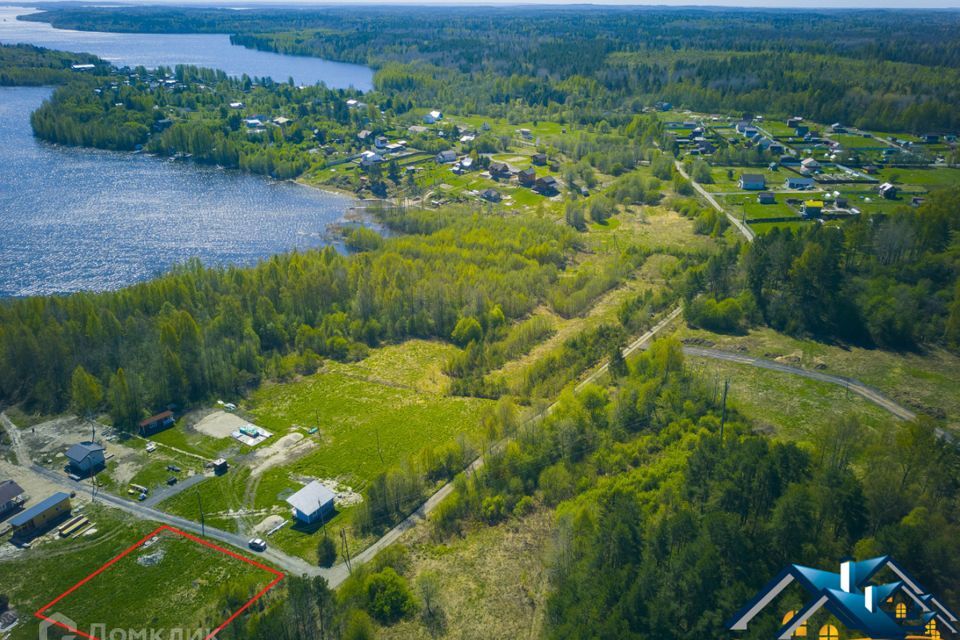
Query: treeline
{"type": "Point", "coordinates": [890, 280]}
{"type": "Point", "coordinates": [669, 520]}
{"type": "Point", "coordinates": [199, 332]}
{"type": "Point", "coordinates": [27, 65]}
{"type": "Point", "coordinates": [579, 64]}
{"type": "Point", "coordinates": [187, 111]}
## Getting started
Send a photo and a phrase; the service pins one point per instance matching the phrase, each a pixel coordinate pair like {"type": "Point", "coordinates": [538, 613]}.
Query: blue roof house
{"type": "Point", "coordinates": [896, 610]}
{"type": "Point", "coordinates": [41, 514]}
{"type": "Point", "coordinates": [86, 457]}
{"type": "Point", "coordinates": [313, 503]}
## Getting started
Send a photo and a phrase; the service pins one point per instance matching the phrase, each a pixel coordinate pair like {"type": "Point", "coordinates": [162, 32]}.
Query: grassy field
{"type": "Point", "coordinates": [184, 589]}
{"type": "Point", "coordinates": [493, 582]}
{"type": "Point", "coordinates": [849, 141]}
{"type": "Point", "coordinates": [786, 405]}
{"type": "Point", "coordinates": [923, 382]}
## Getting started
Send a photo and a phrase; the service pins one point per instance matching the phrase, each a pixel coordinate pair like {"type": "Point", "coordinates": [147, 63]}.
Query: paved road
{"type": "Point", "coordinates": [743, 228]}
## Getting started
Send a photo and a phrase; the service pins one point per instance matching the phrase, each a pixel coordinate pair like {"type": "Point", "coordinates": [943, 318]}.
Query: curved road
{"type": "Point", "coordinates": [852, 384]}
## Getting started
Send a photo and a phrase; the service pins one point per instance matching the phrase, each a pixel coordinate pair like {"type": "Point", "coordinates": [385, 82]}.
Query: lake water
{"type": "Point", "coordinates": [74, 219]}
{"type": "Point", "coordinates": [204, 50]}
{"type": "Point", "coordinates": [79, 219]}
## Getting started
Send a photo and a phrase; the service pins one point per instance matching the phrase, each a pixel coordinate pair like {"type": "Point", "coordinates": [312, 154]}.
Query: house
{"type": "Point", "coordinates": [855, 598]}
{"type": "Point", "coordinates": [12, 496]}
{"type": "Point", "coordinates": [752, 182]}
{"type": "Point", "coordinates": [788, 160]}
{"type": "Point", "coordinates": [871, 169]}
{"type": "Point", "coordinates": [415, 129]}
{"type": "Point", "coordinates": [917, 201]}
{"type": "Point", "coordinates": [837, 127]}
{"type": "Point", "coordinates": [539, 159]}
{"type": "Point", "coordinates": [86, 458]}
{"type": "Point", "coordinates": [776, 148]}
{"type": "Point", "coordinates": [799, 182]}
{"type": "Point", "coordinates": [446, 156]}
{"type": "Point", "coordinates": [236, 105]}
{"type": "Point", "coordinates": [888, 191]}
{"type": "Point", "coordinates": [526, 134]}
{"type": "Point", "coordinates": [810, 164]}
{"type": "Point", "coordinates": [313, 503]}
{"type": "Point", "coordinates": [253, 123]}
{"type": "Point", "coordinates": [499, 170]}
{"type": "Point", "coordinates": [742, 126]}
{"type": "Point", "coordinates": [465, 164]}
{"type": "Point", "coordinates": [547, 184]}
{"type": "Point", "coordinates": [527, 177]}
{"type": "Point", "coordinates": [930, 138]}
{"type": "Point", "coordinates": [842, 202]}
{"type": "Point", "coordinates": [363, 135]}
{"type": "Point", "coordinates": [812, 208]}
{"type": "Point", "coordinates": [801, 130]}
{"type": "Point", "coordinates": [490, 195]}
{"type": "Point", "coordinates": [380, 142]}
{"type": "Point", "coordinates": [370, 158]}
{"type": "Point", "coordinates": [40, 515]}
{"type": "Point", "coordinates": [156, 423]}
{"type": "Point", "coordinates": [281, 121]}
{"type": "Point", "coordinates": [794, 122]}
{"type": "Point", "coordinates": [432, 117]}
{"type": "Point", "coordinates": [766, 198]}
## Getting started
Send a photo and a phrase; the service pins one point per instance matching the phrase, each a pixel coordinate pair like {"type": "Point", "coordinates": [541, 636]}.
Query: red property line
{"type": "Point", "coordinates": [278, 576]}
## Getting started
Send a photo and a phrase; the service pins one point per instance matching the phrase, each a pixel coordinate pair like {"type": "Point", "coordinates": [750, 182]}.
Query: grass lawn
{"type": "Point", "coordinates": [186, 439]}
{"type": "Point", "coordinates": [848, 141]}
{"type": "Point", "coordinates": [186, 587]}
{"type": "Point", "coordinates": [136, 594]}
{"type": "Point", "coordinates": [764, 227]}
{"type": "Point", "coordinates": [352, 413]}
{"type": "Point", "coordinates": [928, 178]}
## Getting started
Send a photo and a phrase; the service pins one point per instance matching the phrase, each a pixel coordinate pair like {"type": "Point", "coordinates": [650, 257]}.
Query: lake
{"type": "Point", "coordinates": [78, 219]}
{"type": "Point", "coordinates": [204, 50]}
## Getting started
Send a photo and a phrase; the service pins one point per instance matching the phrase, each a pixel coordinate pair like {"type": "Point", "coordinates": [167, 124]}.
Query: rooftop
{"type": "Point", "coordinates": [23, 518]}
{"type": "Point", "coordinates": [9, 490]}
{"type": "Point", "coordinates": [80, 451]}
{"type": "Point", "coordinates": [311, 498]}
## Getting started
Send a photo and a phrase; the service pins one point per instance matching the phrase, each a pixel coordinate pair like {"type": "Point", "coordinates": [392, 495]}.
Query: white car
{"type": "Point", "coordinates": [257, 544]}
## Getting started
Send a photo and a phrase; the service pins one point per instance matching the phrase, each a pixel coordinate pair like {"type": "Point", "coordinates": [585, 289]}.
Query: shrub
{"type": "Point", "coordinates": [389, 598]}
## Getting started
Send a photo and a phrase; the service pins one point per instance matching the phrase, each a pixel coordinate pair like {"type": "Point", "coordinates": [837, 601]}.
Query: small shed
{"type": "Point", "coordinates": [812, 208]}
{"type": "Point", "coordinates": [312, 503]}
{"type": "Point", "coordinates": [766, 198]}
{"type": "Point", "coordinates": [41, 514]}
{"type": "Point", "coordinates": [86, 457]}
{"type": "Point", "coordinates": [527, 177]}
{"type": "Point", "coordinates": [888, 191]}
{"type": "Point", "coordinates": [539, 159]}
{"type": "Point", "coordinates": [156, 423]}
{"type": "Point", "coordinates": [11, 496]}
{"type": "Point", "coordinates": [547, 184]}
{"type": "Point", "coordinates": [490, 195]}
{"type": "Point", "coordinates": [220, 466]}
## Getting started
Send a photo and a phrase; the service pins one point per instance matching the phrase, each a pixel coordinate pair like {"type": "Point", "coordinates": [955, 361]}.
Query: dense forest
{"type": "Point", "coordinates": [882, 70]}
{"type": "Point", "coordinates": [201, 332]}
{"type": "Point", "coordinates": [885, 280]}
{"type": "Point", "coordinates": [26, 65]}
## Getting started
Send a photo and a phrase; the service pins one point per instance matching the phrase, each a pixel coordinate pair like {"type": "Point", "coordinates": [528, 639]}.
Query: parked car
{"type": "Point", "coordinates": [172, 480]}
{"type": "Point", "coordinates": [174, 468]}
{"type": "Point", "coordinates": [151, 447]}
{"type": "Point", "coordinates": [257, 544]}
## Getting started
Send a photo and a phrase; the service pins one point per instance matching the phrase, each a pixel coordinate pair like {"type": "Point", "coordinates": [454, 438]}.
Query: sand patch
{"type": "Point", "coordinates": [221, 424]}
{"type": "Point", "coordinates": [269, 524]}
{"type": "Point", "coordinates": [285, 450]}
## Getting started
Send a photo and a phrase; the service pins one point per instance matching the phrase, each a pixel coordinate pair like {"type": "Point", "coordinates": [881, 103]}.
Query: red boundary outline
{"type": "Point", "coordinates": [278, 576]}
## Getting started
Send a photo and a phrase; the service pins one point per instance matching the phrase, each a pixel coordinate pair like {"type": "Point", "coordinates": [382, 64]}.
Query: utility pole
{"type": "Point", "coordinates": [723, 413]}
{"type": "Point", "coordinates": [346, 549]}
{"type": "Point", "coordinates": [203, 529]}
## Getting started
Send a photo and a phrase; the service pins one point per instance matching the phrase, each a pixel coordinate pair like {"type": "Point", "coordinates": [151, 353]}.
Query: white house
{"type": "Point", "coordinates": [432, 117]}
{"type": "Point", "coordinates": [312, 503]}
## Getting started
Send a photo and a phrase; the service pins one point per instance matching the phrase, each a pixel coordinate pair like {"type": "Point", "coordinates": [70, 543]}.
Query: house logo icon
{"type": "Point", "coordinates": [856, 599]}
{"type": "Point", "coordinates": [52, 626]}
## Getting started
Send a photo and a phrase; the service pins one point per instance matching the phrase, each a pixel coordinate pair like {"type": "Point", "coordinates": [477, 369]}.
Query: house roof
{"type": "Point", "coordinates": [79, 452]}
{"type": "Point", "coordinates": [9, 490]}
{"type": "Point", "coordinates": [163, 415]}
{"type": "Point", "coordinates": [752, 177]}
{"type": "Point", "coordinates": [311, 498]}
{"type": "Point", "coordinates": [23, 518]}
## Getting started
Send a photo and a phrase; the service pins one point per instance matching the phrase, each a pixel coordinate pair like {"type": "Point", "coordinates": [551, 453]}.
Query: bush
{"type": "Point", "coordinates": [389, 598]}
{"type": "Point", "coordinates": [326, 552]}
{"type": "Point", "coordinates": [725, 316]}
